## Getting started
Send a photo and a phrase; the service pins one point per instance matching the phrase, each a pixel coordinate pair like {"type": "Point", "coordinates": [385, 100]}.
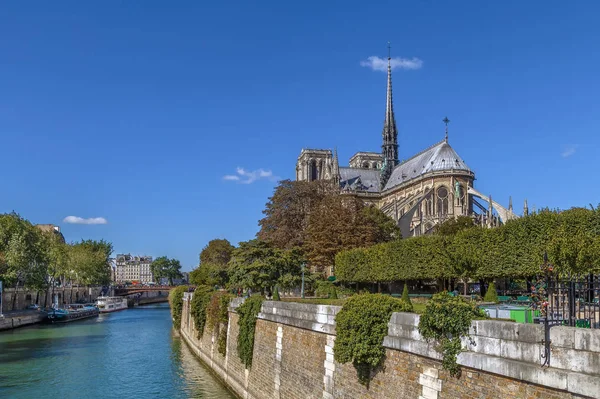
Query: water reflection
{"type": "Point", "coordinates": [129, 354]}
{"type": "Point", "coordinates": [200, 382]}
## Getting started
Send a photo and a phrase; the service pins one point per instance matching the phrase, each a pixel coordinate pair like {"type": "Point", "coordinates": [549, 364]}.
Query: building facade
{"type": "Point", "coordinates": [419, 192]}
{"type": "Point", "coordinates": [130, 268]}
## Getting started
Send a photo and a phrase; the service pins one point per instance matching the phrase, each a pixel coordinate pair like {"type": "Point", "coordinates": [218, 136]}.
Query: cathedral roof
{"type": "Point", "coordinates": [437, 158]}
{"type": "Point", "coordinates": [358, 179]}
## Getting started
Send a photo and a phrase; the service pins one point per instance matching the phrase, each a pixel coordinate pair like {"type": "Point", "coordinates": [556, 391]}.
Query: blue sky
{"type": "Point", "coordinates": [135, 111]}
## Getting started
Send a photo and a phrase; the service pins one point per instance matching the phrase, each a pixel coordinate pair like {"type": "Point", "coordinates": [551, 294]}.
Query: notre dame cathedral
{"type": "Point", "coordinates": [426, 189]}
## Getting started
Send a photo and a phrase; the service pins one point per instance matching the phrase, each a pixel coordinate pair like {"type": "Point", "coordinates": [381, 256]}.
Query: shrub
{"type": "Point", "coordinates": [446, 320]}
{"type": "Point", "coordinates": [406, 298]}
{"type": "Point", "coordinates": [361, 326]}
{"type": "Point", "coordinates": [323, 288]}
{"type": "Point", "coordinates": [198, 306]}
{"type": "Point", "coordinates": [491, 295]}
{"type": "Point", "coordinates": [176, 303]}
{"type": "Point", "coordinates": [248, 311]}
{"type": "Point", "coordinates": [332, 292]}
{"type": "Point", "coordinates": [276, 296]}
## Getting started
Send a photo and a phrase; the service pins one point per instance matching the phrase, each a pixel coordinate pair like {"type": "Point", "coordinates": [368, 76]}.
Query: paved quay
{"type": "Point", "coordinates": [20, 318]}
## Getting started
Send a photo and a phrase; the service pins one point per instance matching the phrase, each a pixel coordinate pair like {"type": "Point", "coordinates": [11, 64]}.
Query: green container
{"type": "Point", "coordinates": [524, 315]}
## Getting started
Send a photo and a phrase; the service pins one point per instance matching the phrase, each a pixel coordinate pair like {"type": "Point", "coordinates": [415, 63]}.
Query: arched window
{"type": "Point", "coordinates": [442, 201]}
{"type": "Point", "coordinates": [366, 165]}
{"type": "Point", "coordinates": [312, 172]}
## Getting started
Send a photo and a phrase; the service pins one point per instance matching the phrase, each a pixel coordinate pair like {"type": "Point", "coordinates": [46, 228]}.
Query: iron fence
{"type": "Point", "coordinates": [568, 300]}
{"type": "Point", "coordinates": [574, 301]}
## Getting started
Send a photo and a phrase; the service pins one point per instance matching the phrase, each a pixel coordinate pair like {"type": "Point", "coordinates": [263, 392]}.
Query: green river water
{"type": "Point", "coordinates": [127, 354]}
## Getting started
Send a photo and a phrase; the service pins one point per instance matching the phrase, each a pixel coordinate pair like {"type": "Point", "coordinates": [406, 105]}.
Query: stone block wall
{"type": "Point", "coordinates": [293, 358]}
{"type": "Point", "coordinates": [44, 297]}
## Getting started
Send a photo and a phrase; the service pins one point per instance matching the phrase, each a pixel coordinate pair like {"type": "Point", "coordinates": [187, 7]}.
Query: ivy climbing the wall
{"type": "Point", "coordinates": [446, 320]}
{"type": "Point", "coordinates": [198, 306]}
{"type": "Point", "coordinates": [217, 318]}
{"type": "Point", "coordinates": [248, 311]}
{"type": "Point", "coordinates": [361, 326]}
{"type": "Point", "coordinates": [176, 303]}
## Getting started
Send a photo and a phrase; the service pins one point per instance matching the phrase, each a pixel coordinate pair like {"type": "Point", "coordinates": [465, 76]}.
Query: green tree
{"type": "Point", "coordinates": [217, 252]}
{"type": "Point", "coordinates": [21, 256]}
{"type": "Point", "coordinates": [88, 264]}
{"type": "Point", "coordinates": [163, 267]}
{"type": "Point", "coordinates": [406, 298]}
{"type": "Point", "coordinates": [214, 259]}
{"type": "Point", "coordinates": [491, 295]}
{"type": "Point", "coordinates": [257, 265]}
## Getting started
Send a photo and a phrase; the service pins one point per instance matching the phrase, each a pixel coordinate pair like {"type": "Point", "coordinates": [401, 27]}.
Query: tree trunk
{"type": "Point", "coordinates": [15, 295]}
{"type": "Point", "coordinates": [37, 297]}
{"type": "Point", "coordinates": [379, 287]}
{"type": "Point", "coordinates": [482, 289]}
{"type": "Point", "coordinates": [466, 282]}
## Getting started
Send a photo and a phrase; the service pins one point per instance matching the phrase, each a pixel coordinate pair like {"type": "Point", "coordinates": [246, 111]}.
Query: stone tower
{"type": "Point", "coordinates": [314, 165]}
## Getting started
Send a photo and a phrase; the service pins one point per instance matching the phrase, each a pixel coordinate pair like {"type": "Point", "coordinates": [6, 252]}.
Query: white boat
{"type": "Point", "coordinates": [107, 304]}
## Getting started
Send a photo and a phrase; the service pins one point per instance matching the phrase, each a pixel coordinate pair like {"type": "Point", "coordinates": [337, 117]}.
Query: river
{"type": "Point", "coordinates": [127, 354]}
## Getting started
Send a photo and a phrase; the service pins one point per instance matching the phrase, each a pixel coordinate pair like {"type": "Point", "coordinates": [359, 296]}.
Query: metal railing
{"type": "Point", "coordinates": [574, 301]}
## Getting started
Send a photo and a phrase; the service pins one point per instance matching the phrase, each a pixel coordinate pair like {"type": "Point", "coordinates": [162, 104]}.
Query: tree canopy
{"type": "Point", "coordinates": [39, 259]}
{"type": "Point", "coordinates": [258, 265]}
{"type": "Point", "coordinates": [316, 219]}
{"type": "Point", "coordinates": [163, 267]}
{"type": "Point", "coordinates": [287, 211]}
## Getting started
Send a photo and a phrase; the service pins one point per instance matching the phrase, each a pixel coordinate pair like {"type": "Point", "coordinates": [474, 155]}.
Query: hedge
{"type": "Point", "coordinates": [571, 239]}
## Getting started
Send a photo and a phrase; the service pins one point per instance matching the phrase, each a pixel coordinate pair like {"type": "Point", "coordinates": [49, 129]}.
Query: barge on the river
{"type": "Point", "coordinates": [71, 313]}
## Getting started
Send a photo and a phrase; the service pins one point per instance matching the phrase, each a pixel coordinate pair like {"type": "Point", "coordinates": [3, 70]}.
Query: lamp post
{"type": "Point", "coordinates": [302, 289]}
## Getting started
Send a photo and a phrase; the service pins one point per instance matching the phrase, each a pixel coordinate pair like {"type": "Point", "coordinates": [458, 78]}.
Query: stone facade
{"type": "Point", "coordinates": [293, 358]}
{"type": "Point", "coordinates": [133, 268]}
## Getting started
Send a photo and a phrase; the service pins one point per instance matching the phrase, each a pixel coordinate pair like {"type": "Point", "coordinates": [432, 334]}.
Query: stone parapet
{"type": "Point", "coordinates": [293, 358]}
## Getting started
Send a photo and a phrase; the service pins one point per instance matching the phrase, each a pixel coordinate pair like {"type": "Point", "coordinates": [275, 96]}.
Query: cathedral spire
{"type": "Point", "coordinates": [525, 209]}
{"type": "Point", "coordinates": [390, 134]}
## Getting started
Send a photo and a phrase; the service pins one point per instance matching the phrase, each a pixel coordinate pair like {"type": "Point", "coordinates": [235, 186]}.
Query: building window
{"type": "Point", "coordinates": [442, 201]}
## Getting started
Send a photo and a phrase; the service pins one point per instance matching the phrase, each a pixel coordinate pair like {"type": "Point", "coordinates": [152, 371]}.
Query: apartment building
{"type": "Point", "coordinates": [133, 269]}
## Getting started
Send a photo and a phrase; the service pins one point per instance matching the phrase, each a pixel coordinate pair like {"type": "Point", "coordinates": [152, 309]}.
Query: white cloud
{"type": "Point", "coordinates": [247, 177]}
{"type": "Point", "coordinates": [569, 150]}
{"type": "Point", "coordinates": [380, 64]}
{"type": "Point", "coordinates": [79, 220]}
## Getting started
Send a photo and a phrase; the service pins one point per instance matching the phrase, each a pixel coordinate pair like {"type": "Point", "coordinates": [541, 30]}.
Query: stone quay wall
{"type": "Point", "coordinates": [293, 358]}
{"type": "Point", "coordinates": [27, 297]}
{"type": "Point", "coordinates": [21, 320]}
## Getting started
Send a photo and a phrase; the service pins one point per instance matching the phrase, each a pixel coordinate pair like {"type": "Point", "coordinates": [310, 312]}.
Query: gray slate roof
{"type": "Point", "coordinates": [439, 157]}
{"type": "Point", "coordinates": [367, 179]}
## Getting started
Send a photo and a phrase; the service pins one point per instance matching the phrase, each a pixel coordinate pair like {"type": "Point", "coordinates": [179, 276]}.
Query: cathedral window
{"type": "Point", "coordinates": [313, 174]}
{"type": "Point", "coordinates": [442, 201]}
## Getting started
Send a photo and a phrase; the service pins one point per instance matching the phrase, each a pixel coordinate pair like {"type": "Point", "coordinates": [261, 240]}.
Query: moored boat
{"type": "Point", "coordinates": [71, 313]}
{"type": "Point", "coordinates": [107, 304]}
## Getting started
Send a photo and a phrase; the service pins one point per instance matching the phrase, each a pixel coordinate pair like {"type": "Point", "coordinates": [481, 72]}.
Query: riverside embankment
{"type": "Point", "coordinates": [293, 358]}
{"type": "Point", "coordinates": [21, 319]}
